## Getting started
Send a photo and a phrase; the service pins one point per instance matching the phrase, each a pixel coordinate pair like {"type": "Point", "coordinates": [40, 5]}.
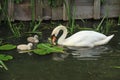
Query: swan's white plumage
{"type": "Point", "coordinates": [81, 38]}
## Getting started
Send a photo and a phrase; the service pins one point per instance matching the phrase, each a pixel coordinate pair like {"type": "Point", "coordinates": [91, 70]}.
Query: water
{"type": "Point", "coordinates": [97, 63]}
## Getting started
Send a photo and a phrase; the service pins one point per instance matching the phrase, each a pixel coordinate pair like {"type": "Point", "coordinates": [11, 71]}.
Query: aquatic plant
{"type": "Point", "coordinates": [1, 40]}
{"type": "Point", "coordinates": [4, 9]}
{"type": "Point", "coordinates": [55, 3]}
{"type": "Point", "coordinates": [72, 22]}
{"type": "Point", "coordinates": [70, 16]}
{"type": "Point", "coordinates": [7, 47]}
{"type": "Point", "coordinates": [98, 28]}
{"type": "Point", "coordinates": [106, 27]}
{"type": "Point", "coordinates": [18, 1]}
{"type": "Point", "coordinates": [35, 28]}
{"type": "Point", "coordinates": [102, 1]}
{"type": "Point", "coordinates": [5, 57]}
{"type": "Point", "coordinates": [34, 24]}
{"type": "Point", "coordinates": [118, 20]}
{"type": "Point", "coordinates": [117, 67]}
{"type": "Point", "coordinates": [14, 28]}
{"type": "Point", "coordinates": [33, 10]}
{"type": "Point", "coordinates": [37, 25]}
{"type": "Point", "coordinates": [17, 29]}
{"type": "Point", "coordinates": [46, 48]}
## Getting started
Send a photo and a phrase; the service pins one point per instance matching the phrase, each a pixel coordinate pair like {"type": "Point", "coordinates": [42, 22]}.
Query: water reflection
{"type": "Point", "coordinates": [60, 56]}
{"type": "Point", "coordinates": [83, 53]}
{"type": "Point", "coordinates": [90, 53]}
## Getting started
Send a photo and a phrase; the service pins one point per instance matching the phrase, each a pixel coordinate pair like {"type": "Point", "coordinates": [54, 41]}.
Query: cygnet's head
{"type": "Point", "coordinates": [30, 44]}
{"type": "Point", "coordinates": [36, 36]}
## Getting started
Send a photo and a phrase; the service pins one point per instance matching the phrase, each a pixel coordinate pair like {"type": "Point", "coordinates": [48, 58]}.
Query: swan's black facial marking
{"type": "Point", "coordinates": [59, 34]}
{"type": "Point", "coordinates": [53, 39]}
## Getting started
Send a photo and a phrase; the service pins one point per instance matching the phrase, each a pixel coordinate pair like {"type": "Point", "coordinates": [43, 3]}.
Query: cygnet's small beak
{"type": "Point", "coordinates": [53, 39]}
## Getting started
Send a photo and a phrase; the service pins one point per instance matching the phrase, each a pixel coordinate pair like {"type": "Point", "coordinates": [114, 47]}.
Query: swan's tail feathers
{"type": "Point", "coordinates": [109, 38]}
{"type": "Point", "coordinates": [105, 41]}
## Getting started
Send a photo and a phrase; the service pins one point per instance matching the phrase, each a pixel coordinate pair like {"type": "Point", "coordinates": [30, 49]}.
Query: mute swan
{"type": "Point", "coordinates": [24, 47]}
{"type": "Point", "coordinates": [80, 39]}
{"type": "Point", "coordinates": [33, 39]}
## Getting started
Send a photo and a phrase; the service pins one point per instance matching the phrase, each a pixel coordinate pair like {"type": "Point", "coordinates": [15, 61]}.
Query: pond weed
{"type": "Point", "coordinates": [4, 57]}
{"type": "Point", "coordinates": [119, 21]}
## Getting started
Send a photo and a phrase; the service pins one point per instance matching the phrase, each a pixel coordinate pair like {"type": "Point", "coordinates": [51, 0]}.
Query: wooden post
{"type": "Point", "coordinates": [65, 5]}
{"type": "Point", "coordinates": [57, 13]}
{"type": "Point", "coordinates": [38, 9]}
{"type": "Point", "coordinates": [96, 9]}
{"type": "Point", "coordinates": [11, 9]}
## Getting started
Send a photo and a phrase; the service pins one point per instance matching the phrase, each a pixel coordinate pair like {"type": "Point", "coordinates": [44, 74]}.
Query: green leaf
{"type": "Point", "coordinates": [46, 48]}
{"type": "Point", "coordinates": [116, 67]}
{"type": "Point", "coordinates": [5, 57]}
{"type": "Point", "coordinates": [7, 47]}
{"type": "Point", "coordinates": [49, 47]}
{"type": "Point", "coordinates": [43, 45]}
{"type": "Point", "coordinates": [3, 65]}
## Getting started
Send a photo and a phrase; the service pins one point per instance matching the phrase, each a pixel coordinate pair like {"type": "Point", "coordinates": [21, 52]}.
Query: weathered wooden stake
{"type": "Point", "coordinates": [96, 9]}
{"type": "Point", "coordinates": [11, 9]}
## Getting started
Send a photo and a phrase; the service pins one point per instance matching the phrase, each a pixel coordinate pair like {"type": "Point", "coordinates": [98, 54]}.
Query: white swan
{"type": "Point", "coordinates": [24, 47]}
{"type": "Point", "coordinates": [80, 39]}
{"type": "Point", "coordinates": [33, 39]}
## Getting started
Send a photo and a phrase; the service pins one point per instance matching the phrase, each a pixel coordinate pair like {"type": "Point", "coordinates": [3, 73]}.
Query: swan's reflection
{"type": "Point", "coordinates": [59, 56]}
{"type": "Point", "coordinates": [89, 53]}
{"type": "Point", "coordinates": [83, 53]}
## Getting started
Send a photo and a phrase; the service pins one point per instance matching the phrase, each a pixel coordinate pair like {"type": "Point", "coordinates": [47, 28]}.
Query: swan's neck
{"type": "Point", "coordinates": [63, 36]}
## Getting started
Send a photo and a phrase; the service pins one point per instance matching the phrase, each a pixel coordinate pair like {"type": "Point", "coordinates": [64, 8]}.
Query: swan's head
{"type": "Point", "coordinates": [53, 39]}
{"type": "Point", "coordinates": [55, 33]}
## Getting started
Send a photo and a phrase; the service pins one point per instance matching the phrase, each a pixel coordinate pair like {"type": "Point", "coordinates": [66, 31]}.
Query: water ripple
{"type": "Point", "coordinates": [90, 53]}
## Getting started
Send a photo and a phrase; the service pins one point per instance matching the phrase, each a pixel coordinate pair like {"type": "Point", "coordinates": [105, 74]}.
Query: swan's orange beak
{"type": "Point", "coordinates": [53, 39]}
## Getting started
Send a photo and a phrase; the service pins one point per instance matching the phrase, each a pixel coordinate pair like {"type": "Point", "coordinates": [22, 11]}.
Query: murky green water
{"type": "Point", "coordinates": [98, 63]}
